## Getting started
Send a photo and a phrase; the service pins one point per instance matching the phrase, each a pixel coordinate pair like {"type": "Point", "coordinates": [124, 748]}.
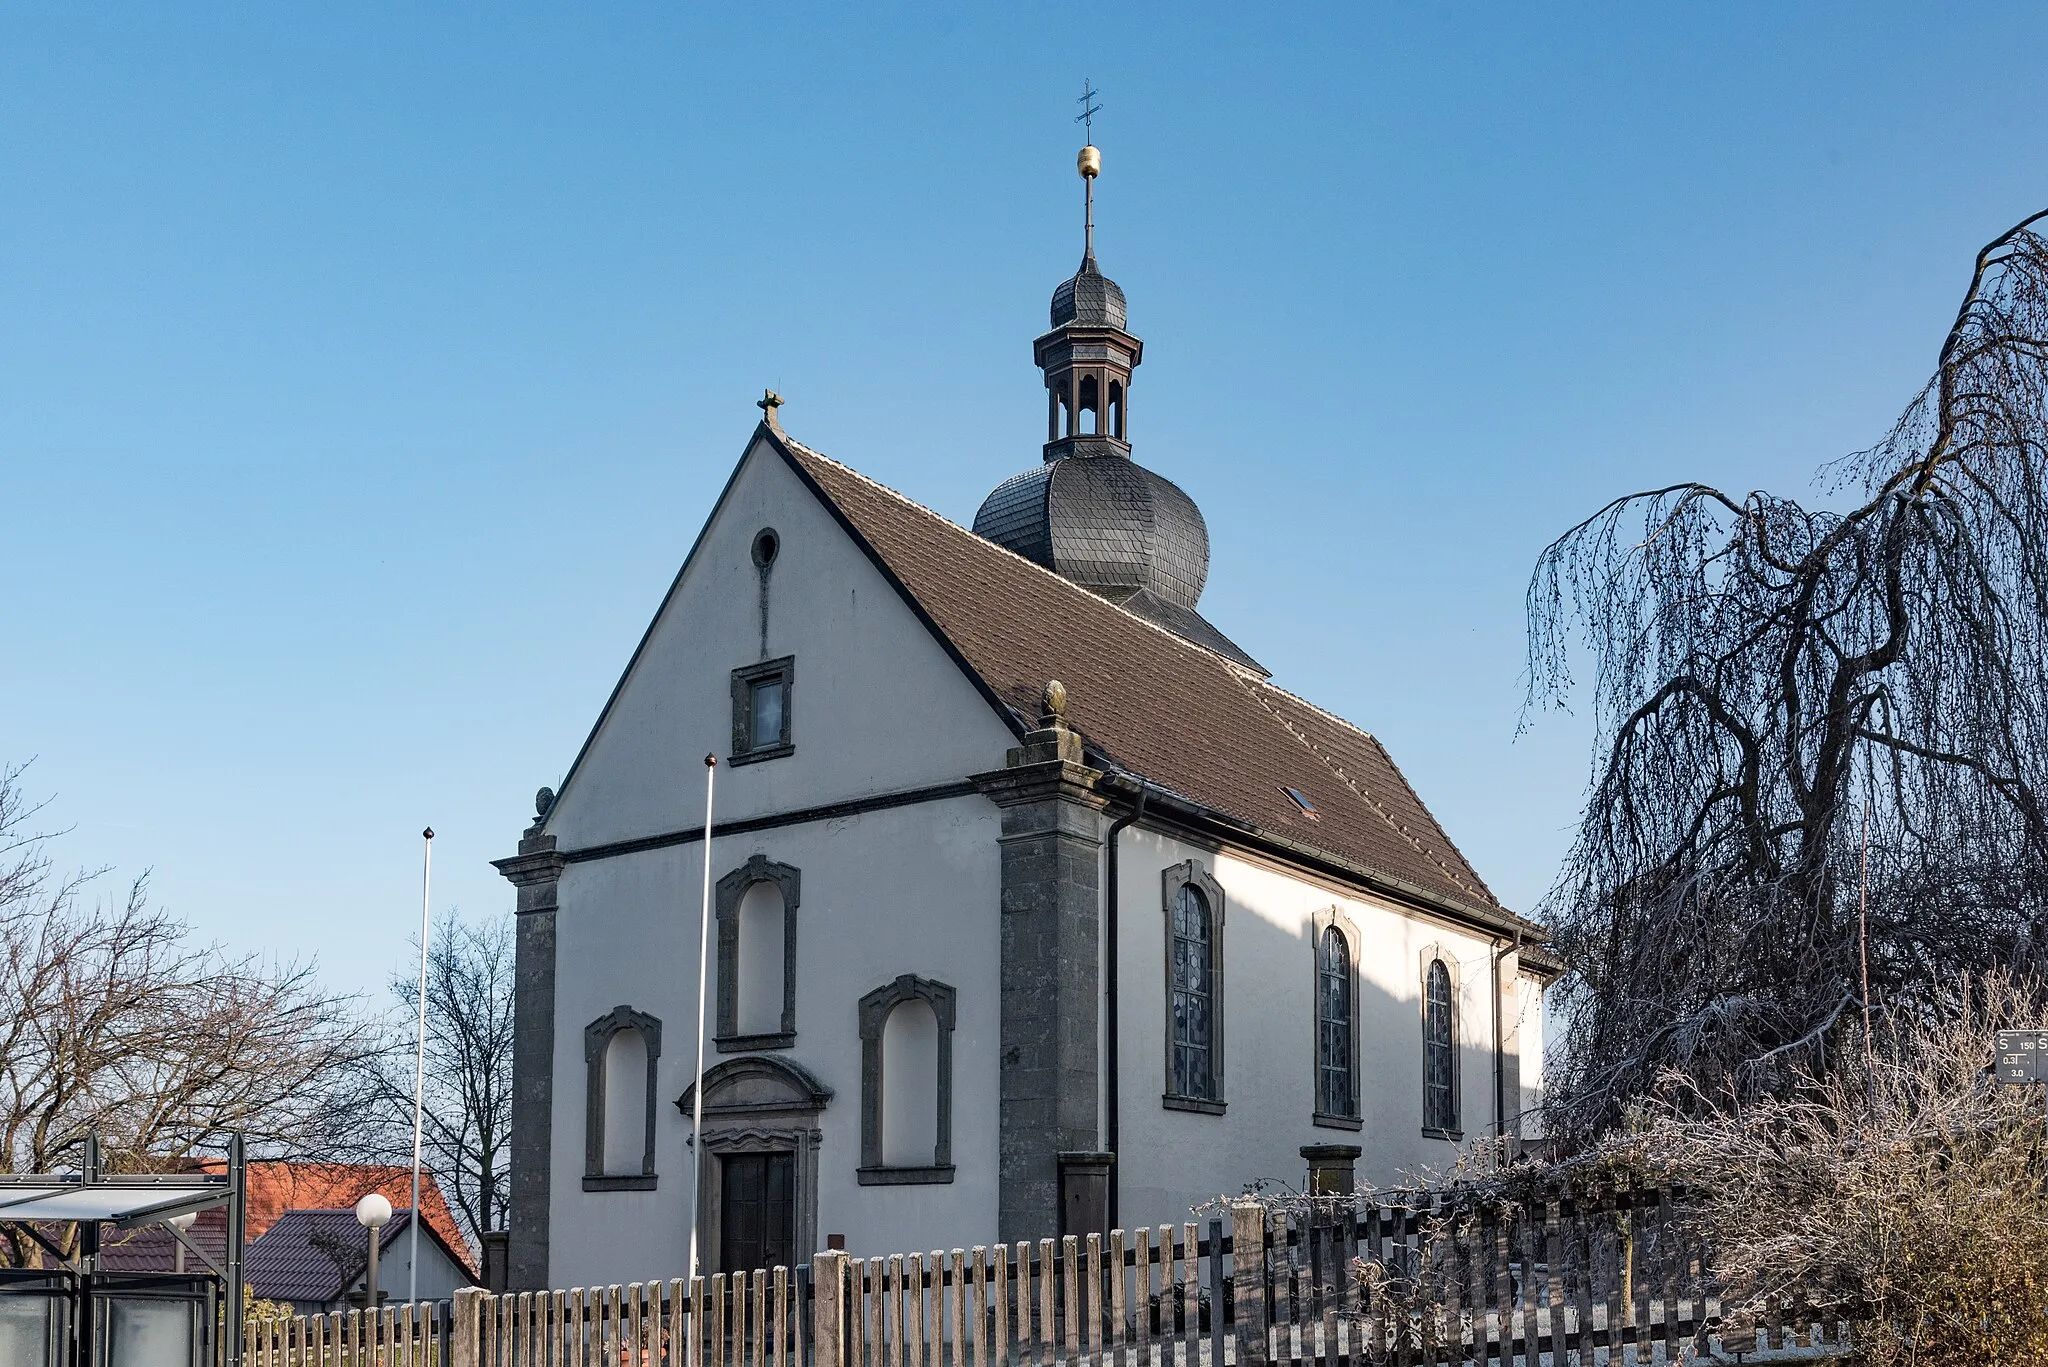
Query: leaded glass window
{"type": "Point", "coordinates": [1439, 1050]}
{"type": "Point", "coordinates": [1333, 1025]}
{"type": "Point", "coordinates": [1194, 1002]}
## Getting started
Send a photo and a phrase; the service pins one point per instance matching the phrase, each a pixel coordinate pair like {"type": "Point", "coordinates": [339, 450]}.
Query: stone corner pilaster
{"type": "Point", "coordinates": [536, 872]}
{"type": "Point", "coordinates": [1052, 806]}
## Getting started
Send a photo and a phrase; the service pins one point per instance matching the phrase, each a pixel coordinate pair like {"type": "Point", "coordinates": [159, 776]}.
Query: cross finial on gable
{"type": "Point", "coordinates": [768, 403]}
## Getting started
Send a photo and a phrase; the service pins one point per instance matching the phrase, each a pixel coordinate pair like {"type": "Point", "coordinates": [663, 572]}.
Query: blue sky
{"type": "Point", "coordinates": [366, 370]}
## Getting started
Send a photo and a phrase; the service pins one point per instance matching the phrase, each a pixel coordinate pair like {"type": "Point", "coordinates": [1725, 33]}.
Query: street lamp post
{"type": "Point", "coordinates": [373, 1212]}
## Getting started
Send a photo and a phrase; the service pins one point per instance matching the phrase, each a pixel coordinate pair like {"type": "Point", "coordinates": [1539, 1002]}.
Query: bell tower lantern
{"type": "Point", "coordinates": [1088, 356]}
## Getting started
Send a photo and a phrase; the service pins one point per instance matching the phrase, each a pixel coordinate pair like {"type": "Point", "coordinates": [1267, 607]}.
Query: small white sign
{"type": "Point", "coordinates": [2022, 1056]}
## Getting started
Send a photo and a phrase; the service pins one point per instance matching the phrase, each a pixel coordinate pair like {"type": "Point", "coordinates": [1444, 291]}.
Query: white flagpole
{"type": "Point", "coordinates": [419, 1071]}
{"type": "Point", "coordinates": [703, 963]}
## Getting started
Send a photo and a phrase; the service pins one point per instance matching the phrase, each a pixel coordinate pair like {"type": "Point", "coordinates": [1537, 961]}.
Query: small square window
{"type": "Point", "coordinates": [760, 710]}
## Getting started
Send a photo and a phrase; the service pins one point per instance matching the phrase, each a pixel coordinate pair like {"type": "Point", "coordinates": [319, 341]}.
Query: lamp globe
{"type": "Point", "coordinates": [373, 1211]}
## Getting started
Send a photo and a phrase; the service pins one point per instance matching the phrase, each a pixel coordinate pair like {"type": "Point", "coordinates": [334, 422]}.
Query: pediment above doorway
{"type": "Point", "coordinates": [754, 1085]}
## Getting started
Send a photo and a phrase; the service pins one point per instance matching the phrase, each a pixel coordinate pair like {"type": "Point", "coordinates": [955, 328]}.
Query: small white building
{"type": "Point", "coordinates": [993, 956]}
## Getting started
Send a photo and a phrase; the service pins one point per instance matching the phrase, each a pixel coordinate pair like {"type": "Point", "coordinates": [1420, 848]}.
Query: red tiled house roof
{"type": "Point", "coordinates": [276, 1187]}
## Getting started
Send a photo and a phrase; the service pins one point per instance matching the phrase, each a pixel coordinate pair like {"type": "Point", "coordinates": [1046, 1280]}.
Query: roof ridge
{"type": "Point", "coordinates": [1060, 579]}
{"type": "Point", "coordinates": [1423, 807]}
{"type": "Point", "coordinates": [1363, 796]}
{"type": "Point", "coordinates": [1320, 710]}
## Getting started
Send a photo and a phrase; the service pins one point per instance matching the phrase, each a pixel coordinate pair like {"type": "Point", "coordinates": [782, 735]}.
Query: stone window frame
{"type": "Point", "coordinates": [792, 1124]}
{"type": "Point", "coordinates": [1172, 880]}
{"type": "Point", "coordinates": [1435, 954]}
{"type": "Point", "coordinates": [744, 751]}
{"type": "Point", "coordinates": [874, 1016]}
{"type": "Point", "coordinates": [732, 889]}
{"type": "Point", "coordinates": [1334, 918]}
{"type": "Point", "coordinates": [597, 1039]}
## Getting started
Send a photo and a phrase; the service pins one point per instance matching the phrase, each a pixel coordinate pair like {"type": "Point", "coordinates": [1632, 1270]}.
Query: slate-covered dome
{"type": "Point", "coordinates": [1105, 522]}
{"type": "Point", "coordinates": [1088, 299]}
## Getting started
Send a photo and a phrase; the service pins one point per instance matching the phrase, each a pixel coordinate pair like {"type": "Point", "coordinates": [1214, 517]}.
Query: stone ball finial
{"type": "Point", "coordinates": [543, 803]}
{"type": "Point", "coordinates": [1055, 701]}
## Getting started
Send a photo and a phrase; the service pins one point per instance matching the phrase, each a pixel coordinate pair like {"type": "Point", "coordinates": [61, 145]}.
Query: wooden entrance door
{"type": "Point", "coordinates": [757, 1211]}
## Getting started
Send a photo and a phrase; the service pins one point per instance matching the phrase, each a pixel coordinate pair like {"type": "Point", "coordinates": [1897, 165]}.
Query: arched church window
{"type": "Point", "coordinates": [1439, 1050]}
{"type": "Point", "coordinates": [906, 1103]}
{"type": "Point", "coordinates": [756, 911]}
{"type": "Point", "coordinates": [1116, 409]}
{"type": "Point", "coordinates": [620, 1052]}
{"type": "Point", "coordinates": [1091, 404]}
{"type": "Point", "coordinates": [1335, 1089]}
{"type": "Point", "coordinates": [1194, 990]}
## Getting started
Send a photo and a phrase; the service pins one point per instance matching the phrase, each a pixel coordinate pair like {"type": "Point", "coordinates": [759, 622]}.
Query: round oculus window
{"type": "Point", "coordinates": [766, 544]}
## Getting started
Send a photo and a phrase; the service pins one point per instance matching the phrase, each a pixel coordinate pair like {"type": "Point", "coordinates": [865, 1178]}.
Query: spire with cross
{"type": "Point", "coordinates": [1090, 165]}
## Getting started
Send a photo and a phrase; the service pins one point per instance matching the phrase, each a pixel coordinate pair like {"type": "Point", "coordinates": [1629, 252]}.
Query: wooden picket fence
{"type": "Point", "coordinates": [1579, 1278]}
{"type": "Point", "coordinates": [413, 1335]}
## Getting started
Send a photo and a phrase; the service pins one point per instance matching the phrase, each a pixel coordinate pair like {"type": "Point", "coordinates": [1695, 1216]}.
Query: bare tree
{"type": "Point", "coordinates": [113, 1021]}
{"type": "Point", "coordinates": [467, 1117]}
{"type": "Point", "coordinates": [1762, 670]}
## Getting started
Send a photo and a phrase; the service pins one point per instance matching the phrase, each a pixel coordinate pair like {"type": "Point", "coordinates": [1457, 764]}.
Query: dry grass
{"type": "Point", "coordinates": [1912, 1197]}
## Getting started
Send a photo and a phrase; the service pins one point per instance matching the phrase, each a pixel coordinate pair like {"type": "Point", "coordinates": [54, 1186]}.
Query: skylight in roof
{"type": "Point", "coordinates": [1308, 808]}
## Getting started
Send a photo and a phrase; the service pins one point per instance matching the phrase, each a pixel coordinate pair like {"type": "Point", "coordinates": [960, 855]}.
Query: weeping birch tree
{"type": "Point", "coordinates": [1810, 718]}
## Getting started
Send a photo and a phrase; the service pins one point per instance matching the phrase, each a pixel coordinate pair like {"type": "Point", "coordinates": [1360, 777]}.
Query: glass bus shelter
{"type": "Point", "coordinates": [71, 1313]}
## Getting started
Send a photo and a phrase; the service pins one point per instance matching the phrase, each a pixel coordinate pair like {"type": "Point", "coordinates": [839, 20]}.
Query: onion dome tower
{"type": "Point", "coordinates": [1090, 513]}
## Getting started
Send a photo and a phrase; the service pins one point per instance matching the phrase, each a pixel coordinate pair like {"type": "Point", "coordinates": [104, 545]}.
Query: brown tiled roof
{"type": "Point", "coordinates": [1154, 705]}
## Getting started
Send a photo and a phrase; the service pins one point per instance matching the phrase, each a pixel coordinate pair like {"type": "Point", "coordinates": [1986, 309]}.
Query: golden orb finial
{"type": "Point", "coordinates": [1089, 162]}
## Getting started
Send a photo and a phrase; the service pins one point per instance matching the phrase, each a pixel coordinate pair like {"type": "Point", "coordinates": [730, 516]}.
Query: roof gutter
{"type": "Point", "coordinates": [1496, 923]}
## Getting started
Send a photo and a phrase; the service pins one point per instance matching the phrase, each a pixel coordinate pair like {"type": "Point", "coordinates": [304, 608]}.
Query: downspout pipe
{"type": "Point", "coordinates": [1110, 1103]}
{"type": "Point", "coordinates": [1500, 1054]}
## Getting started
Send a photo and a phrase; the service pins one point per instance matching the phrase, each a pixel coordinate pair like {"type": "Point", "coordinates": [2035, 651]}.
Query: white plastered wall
{"type": "Point", "coordinates": [878, 707]}
{"type": "Point", "coordinates": [440, 1276]}
{"type": "Point", "coordinates": [1172, 1160]}
{"type": "Point", "coordinates": [1535, 1042]}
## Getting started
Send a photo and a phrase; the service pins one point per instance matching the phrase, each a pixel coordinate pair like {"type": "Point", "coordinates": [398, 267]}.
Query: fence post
{"type": "Point", "coordinates": [828, 1284]}
{"type": "Point", "coordinates": [465, 1325]}
{"type": "Point", "coordinates": [1248, 1280]}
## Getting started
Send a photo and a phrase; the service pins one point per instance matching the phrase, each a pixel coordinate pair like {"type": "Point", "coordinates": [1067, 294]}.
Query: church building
{"type": "Point", "coordinates": [1036, 907]}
